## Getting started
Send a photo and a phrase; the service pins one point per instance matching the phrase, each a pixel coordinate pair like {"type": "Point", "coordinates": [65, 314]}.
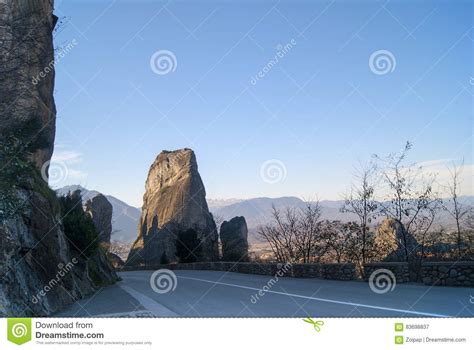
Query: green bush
{"type": "Point", "coordinates": [78, 227]}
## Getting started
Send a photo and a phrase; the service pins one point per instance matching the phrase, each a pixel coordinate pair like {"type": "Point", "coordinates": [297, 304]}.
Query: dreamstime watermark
{"type": "Point", "coordinates": [382, 62]}
{"type": "Point", "coordinates": [282, 51]}
{"type": "Point", "coordinates": [163, 281]}
{"type": "Point", "coordinates": [471, 80]}
{"type": "Point", "coordinates": [54, 172]}
{"type": "Point", "coordinates": [58, 56]}
{"type": "Point", "coordinates": [163, 62]}
{"type": "Point", "coordinates": [471, 299]}
{"type": "Point", "coordinates": [267, 287]}
{"type": "Point", "coordinates": [382, 281]}
{"type": "Point", "coordinates": [19, 330]}
{"type": "Point", "coordinates": [273, 171]}
{"type": "Point", "coordinates": [63, 270]}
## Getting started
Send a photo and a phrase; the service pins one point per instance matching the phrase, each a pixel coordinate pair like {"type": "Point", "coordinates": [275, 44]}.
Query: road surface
{"type": "Point", "coordinates": [221, 294]}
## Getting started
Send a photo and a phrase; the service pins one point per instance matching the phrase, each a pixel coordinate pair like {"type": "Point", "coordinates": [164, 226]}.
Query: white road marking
{"type": "Point", "coordinates": [321, 299]}
{"type": "Point", "coordinates": [155, 308]}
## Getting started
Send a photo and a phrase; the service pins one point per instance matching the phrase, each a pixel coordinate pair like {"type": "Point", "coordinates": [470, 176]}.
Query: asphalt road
{"type": "Point", "coordinates": [220, 294]}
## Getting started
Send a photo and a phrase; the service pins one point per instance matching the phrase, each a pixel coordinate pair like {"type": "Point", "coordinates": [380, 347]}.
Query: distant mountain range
{"type": "Point", "coordinates": [219, 203]}
{"type": "Point", "coordinates": [257, 211]}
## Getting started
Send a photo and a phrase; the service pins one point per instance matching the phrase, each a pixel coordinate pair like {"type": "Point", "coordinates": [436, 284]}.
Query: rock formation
{"type": "Point", "coordinates": [233, 236]}
{"type": "Point", "coordinates": [100, 210]}
{"type": "Point", "coordinates": [176, 225]}
{"type": "Point", "coordinates": [26, 51]}
{"type": "Point", "coordinates": [115, 260]}
{"type": "Point", "coordinates": [39, 272]}
{"type": "Point", "coordinates": [394, 243]}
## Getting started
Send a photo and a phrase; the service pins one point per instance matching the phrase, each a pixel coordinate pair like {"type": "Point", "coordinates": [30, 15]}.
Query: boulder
{"type": "Point", "coordinates": [115, 260]}
{"type": "Point", "coordinates": [175, 225]}
{"type": "Point", "coordinates": [233, 234]}
{"type": "Point", "coordinates": [394, 243]}
{"type": "Point", "coordinates": [100, 210]}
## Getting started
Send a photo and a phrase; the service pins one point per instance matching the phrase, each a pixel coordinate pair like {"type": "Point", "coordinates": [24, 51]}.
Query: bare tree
{"type": "Point", "coordinates": [469, 236]}
{"type": "Point", "coordinates": [309, 240]}
{"type": "Point", "coordinates": [457, 210]}
{"type": "Point", "coordinates": [361, 202]}
{"type": "Point", "coordinates": [296, 235]}
{"type": "Point", "coordinates": [411, 200]}
{"type": "Point", "coordinates": [281, 234]}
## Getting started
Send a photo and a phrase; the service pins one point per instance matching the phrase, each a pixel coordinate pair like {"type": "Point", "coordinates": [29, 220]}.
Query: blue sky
{"type": "Point", "coordinates": [314, 114]}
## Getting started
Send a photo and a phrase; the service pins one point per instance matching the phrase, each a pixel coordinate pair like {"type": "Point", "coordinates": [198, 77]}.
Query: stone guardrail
{"type": "Point", "coordinates": [432, 273]}
{"type": "Point", "coordinates": [399, 270]}
{"type": "Point", "coordinates": [343, 271]}
{"type": "Point", "coordinates": [450, 273]}
{"type": "Point", "coordinates": [445, 273]}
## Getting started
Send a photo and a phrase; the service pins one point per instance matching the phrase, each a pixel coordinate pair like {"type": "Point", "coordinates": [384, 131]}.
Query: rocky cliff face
{"type": "Point", "coordinates": [26, 52]}
{"type": "Point", "coordinates": [39, 272]}
{"type": "Point", "coordinates": [176, 225]}
{"type": "Point", "coordinates": [233, 234]}
{"type": "Point", "coordinates": [100, 210]}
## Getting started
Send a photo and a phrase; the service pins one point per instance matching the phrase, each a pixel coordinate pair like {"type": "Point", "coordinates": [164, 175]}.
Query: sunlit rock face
{"type": "Point", "coordinates": [394, 243]}
{"type": "Point", "coordinates": [176, 225]}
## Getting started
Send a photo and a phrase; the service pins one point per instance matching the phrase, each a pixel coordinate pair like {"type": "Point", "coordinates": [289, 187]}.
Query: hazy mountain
{"type": "Point", "coordinates": [124, 218]}
{"type": "Point", "coordinates": [257, 211]}
{"type": "Point", "coordinates": [214, 204]}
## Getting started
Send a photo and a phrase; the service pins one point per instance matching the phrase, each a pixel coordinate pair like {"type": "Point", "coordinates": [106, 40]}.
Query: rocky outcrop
{"type": "Point", "coordinates": [39, 272]}
{"type": "Point", "coordinates": [394, 242]}
{"type": "Point", "coordinates": [100, 210]}
{"type": "Point", "coordinates": [176, 225]}
{"type": "Point", "coordinates": [233, 236]}
{"type": "Point", "coordinates": [115, 260]}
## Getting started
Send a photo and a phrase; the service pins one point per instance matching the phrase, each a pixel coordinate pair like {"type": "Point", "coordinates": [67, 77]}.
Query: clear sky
{"type": "Point", "coordinates": [312, 113]}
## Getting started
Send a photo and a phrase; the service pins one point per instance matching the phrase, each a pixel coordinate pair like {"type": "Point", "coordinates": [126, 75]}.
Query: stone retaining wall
{"type": "Point", "coordinates": [459, 273]}
{"type": "Point", "coordinates": [432, 273]}
{"type": "Point", "coordinates": [399, 270]}
{"type": "Point", "coordinates": [343, 272]}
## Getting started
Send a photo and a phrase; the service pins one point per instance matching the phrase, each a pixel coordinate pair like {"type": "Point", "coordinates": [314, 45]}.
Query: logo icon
{"type": "Point", "coordinates": [398, 327]}
{"type": "Point", "coordinates": [163, 281]}
{"type": "Point", "coordinates": [19, 330]}
{"type": "Point", "coordinates": [273, 171]}
{"type": "Point", "coordinates": [382, 62]}
{"type": "Point", "coordinates": [163, 62]}
{"type": "Point", "coordinates": [399, 339]}
{"type": "Point", "coordinates": [382, 281]}
{"type": "Point", "coordinates": [316, 324]}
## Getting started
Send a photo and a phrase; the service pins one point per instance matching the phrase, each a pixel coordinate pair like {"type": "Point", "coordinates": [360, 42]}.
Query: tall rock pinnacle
{"type": "Point", "coordinates": [176, 225]}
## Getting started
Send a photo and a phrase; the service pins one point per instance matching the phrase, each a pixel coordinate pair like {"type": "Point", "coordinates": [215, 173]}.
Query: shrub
{"type": "Point", "coordinates": [78, 227]}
